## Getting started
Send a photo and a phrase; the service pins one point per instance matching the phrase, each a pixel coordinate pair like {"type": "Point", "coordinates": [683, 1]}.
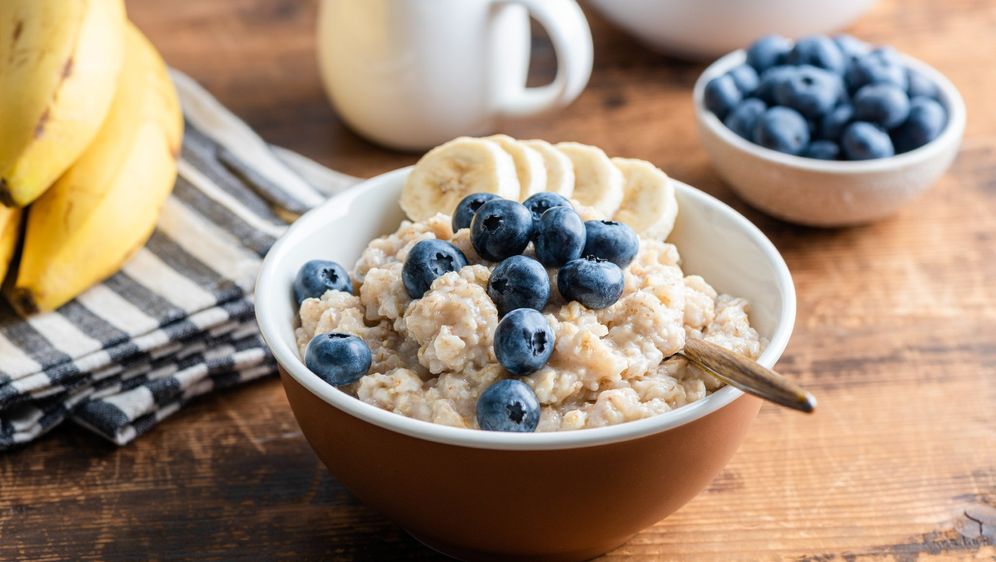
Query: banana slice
{"type": "Point", "coordinates": [649, 206]}
{"type": "Point", "coordinates": [448, 173]}
{"type": "Point", "coordinates": [559, 170]}
{"type": "Point", "coordinates": [529, 166]}
{"type": "Point", "coordinates": [597, 183]}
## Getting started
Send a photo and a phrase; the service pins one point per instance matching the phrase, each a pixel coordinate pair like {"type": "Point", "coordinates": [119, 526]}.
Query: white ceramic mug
{"type": "Point", "coordinates": [412, 74]}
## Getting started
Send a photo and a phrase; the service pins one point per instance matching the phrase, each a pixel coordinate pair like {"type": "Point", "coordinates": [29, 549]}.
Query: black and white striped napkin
{"type": "Point", "coordinates": [177, 321]}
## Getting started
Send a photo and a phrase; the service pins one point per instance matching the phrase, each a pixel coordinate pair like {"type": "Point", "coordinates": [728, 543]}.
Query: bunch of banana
{"type": "Point", "coordinates": [91, 132]}
{"type": "Point", "coordinates": [631, 191]}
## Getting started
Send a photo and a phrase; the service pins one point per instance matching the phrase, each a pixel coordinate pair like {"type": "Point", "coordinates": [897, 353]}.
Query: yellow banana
{"type": "Point", "coordinates": [106, 205]}
{"type": "Point", "coordinates": [59, 62]}
{"type": "Point", "coordinates": [10, 230]}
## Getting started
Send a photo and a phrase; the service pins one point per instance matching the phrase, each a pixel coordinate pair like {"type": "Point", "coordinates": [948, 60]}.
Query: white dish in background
{"type": "Point", "coordinates": [827, 193]}
{"type": "Point", "coordinates": [708, 28]}
{"type": "Point", "coordinates": [714, 241]}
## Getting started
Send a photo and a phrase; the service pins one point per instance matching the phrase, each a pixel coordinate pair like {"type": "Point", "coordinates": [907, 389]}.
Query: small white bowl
{"type": "Point", "coordinates": [827, 193]}
{"type": "Point", "coordinates": [708, 28]}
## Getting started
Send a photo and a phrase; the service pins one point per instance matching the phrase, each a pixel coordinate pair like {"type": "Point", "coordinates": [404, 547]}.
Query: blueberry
{"type": "Point", "coordinates": [882, 104]}
{"type": "Point", "coordinates": [920, 86]}
{"type": "Point", "coordinates": [782, 129]}
{"type": "Point", "coordinates": [524, 341]}
{"type": "Point", "coordinates": [611, 241]}
{"type": "Point", "coordinates": [851, 46]}
{"type": "Point", "coordinates": [768, 51]}
{"type": "Point", "coordinates": [744, 116]}
{"type": "Point", "coordinates": [721, 95]}
{"type": "Point", "coordinates": [819, 51]}
{"type": "Point", "coordinates": [888, 53]}
{"type": "Point", "coordinates": [822, 150]}
{"type": "Point", "coordinates": [501, 228]}
{"type": "Point", "coordinates": [519, 282]}
{"type": "Point", "coordinates": [427, 261]}
{"type": "Point", "coordinates": [337, 358]}
{"type": "Point", "coordinates": [745, 77]}
{"type": "Point", "coordinates": [468, 206]}
{"type": "Point", "coordinates": [317, 276]}
{"type": "Point", "coordinates": [865, 141]}
{"type": "Point", "coordinates": [508, 405]}
{"type": "Point", "coordinates": [845, 96]}
{"type": "Point", "coordinates": [770, 81]}
{"type": "Point", "coordinates": [559, 237]}
{"type": "Point", "coordinates": [591, 281]}
{"type": "Point", "coordinates": [809, 90]}
{"type": "Point", "coordinates": [881, 66]}
{"type": "Point", "coordinates": [832, 124]}
{"type": "Point", "coordinates": [540, 203]}
{"type": "Point", "coordinates": [925, 122]}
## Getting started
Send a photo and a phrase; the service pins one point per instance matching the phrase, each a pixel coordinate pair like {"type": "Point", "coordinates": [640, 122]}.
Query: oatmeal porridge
{"type": "Point", "coordinates": [432, 357]}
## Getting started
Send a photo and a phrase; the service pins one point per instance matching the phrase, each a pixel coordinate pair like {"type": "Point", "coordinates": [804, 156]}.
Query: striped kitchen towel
{"type": "Point", "coordinates": [177, 321]}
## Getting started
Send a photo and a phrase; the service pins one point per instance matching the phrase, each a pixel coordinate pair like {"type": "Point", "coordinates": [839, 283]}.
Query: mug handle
{"type": "Point", "coordinates": [564, 21]}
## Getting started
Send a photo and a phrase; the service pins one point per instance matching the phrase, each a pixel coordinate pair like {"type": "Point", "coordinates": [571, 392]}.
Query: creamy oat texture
{"type": "Point", "coordinates": [432, 357]}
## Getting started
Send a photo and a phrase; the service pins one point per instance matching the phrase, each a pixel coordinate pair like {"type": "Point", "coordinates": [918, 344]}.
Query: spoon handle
{"type": "Point", "coordinates": [743, 373]}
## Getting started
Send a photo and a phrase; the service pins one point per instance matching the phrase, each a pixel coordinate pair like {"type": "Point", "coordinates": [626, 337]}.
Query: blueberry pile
{"type": "Point", "coordinates": [827, 98]}
{"type": "Point", "coordinates": [590, 257]}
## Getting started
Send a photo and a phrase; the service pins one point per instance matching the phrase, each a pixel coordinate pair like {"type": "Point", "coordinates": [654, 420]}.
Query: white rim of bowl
{"type": "Point", "coordinates": [949, 94]}
{"type": "Point", "coordinates": [268, 288]}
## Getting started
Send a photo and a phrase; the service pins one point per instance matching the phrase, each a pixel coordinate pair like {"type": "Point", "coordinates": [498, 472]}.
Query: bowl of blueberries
{"type": "Point", "coordinates": [827, 131]}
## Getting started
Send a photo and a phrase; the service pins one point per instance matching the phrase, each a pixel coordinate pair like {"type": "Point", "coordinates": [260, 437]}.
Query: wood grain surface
{"type": "Point", "coordinates": [896, 334]}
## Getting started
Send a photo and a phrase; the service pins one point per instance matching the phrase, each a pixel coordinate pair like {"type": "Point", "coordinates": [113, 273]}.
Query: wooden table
{"type": "Point", "coordinates": [896, 334]}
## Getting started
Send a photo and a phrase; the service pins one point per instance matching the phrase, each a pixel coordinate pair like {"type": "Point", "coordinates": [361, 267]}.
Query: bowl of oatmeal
{"type": "Point", "coordinates": [628, 431]}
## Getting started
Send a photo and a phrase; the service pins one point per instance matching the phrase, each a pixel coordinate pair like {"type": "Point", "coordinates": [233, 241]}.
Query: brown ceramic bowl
{"type": "Point", "coordinates": [490, 495]}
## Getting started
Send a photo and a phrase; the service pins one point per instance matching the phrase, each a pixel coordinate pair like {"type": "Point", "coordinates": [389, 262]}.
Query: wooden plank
{"type": "Point", "coordinates": [896, 335]}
